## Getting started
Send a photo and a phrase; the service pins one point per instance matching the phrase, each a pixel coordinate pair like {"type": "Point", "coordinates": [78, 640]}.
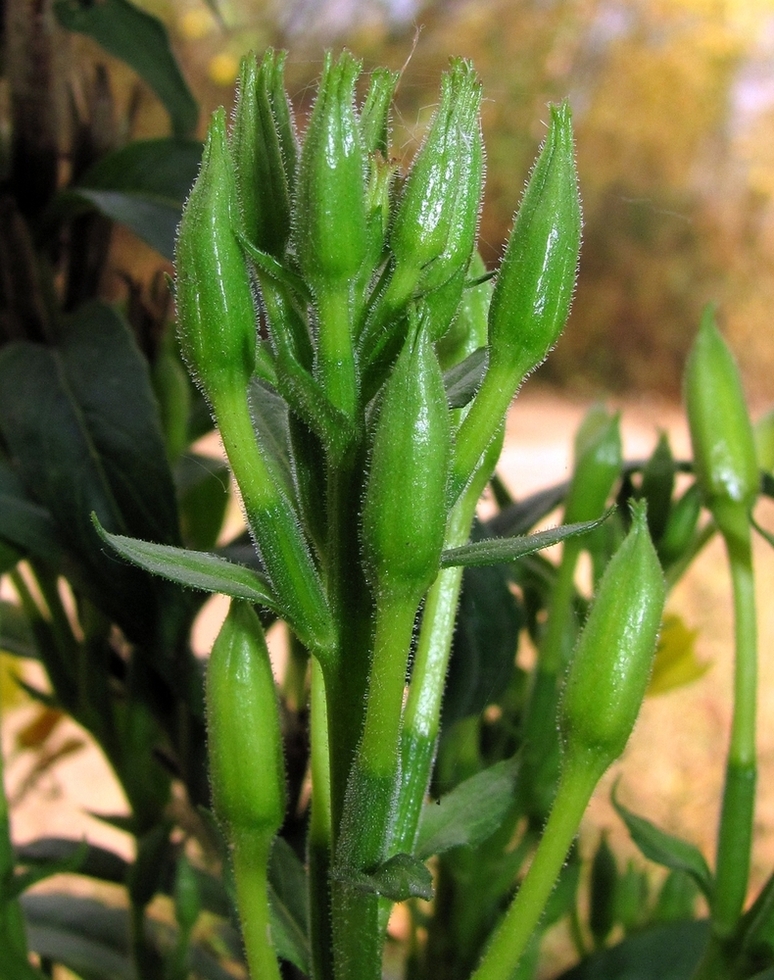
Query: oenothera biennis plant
{"type": "Point", "coordinates": [359, 363]}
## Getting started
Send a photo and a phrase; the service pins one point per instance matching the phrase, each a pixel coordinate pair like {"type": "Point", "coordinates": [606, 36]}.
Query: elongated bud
{"type": "Point", "coordinates": [680, 525]}
{"type": "Point", "coordinates": [598, 456]}
{"type": "Point", "coordinates": [215, 310]}
{"type": "Point", "coordinates": [434, 229]}
{"type": "Point", "coordinates": [375, 114]}
{"type": "Point", "coordinates": [375, 125]}
{"type": "Point", "coordinates": [468, 331]}
{"type": "Point", "coordinates": [259, 156]}
{"type": "Point", "coordinates": [612, 662]}
{"type": "Point", "coordinates": [534, 286]}
{"type": "Point", "coordinates": [245, 744]}
{"type": "Point", "coordinates": [331, 230]}
{"type": "Point", "coordinates": [764, 441]}
{"type": "Point", "coordinates": [436, 218]}
{"type": "Point", "coordinates": [721, 432]}
{"type": "Point", "coordinates": [532, 294]}
{"type": "Point", "coordinates": [404, 514]}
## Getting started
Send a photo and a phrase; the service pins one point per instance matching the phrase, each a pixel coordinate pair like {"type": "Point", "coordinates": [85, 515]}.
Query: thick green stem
{"type": "Point", "coordinates": [272, 519]}
{"type": "Point", "coordinates": [514, 931]}
{"type": "Point", "coordinates": [251, 857]}
{"type": "Point", "coordinates": [335, 367]}
{"type": "Point", "coordinates": [539, 730]}
{"type": "Point", "coordinates": [319, 840]}
{"type": "Point", "coordinates": [736, 822]}
{"type": "Point", "coordinates": [371, 792]}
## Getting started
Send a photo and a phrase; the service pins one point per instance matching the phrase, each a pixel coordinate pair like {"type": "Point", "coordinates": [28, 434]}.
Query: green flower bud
{"type": "Point", "coordinates": [532, 294]}
{"type": "Point", "coordinates": [215, 311]}
{"type": "Point", "coordinates": [404, 513]}
{"type": "Point", "coordinates": [680, 525]}
{"type": "Point", "coordinates": [375, 114]}
{"type": "Point", "coordinates": [536, 280]}
{"type": "Point", "coordinates": [259, 156]}
{"type": "Point", "coordinates": [188, 900]}
{"type": "Point", "coordinates": [331, 227]}
{"type": "Point", "coordinates": [721, 432]}
{"type": "Point", "coordinates": [375, 125]}
{"type": "Point", "coordinates": [598, 457]}
{"type": "Point", "coordinates": [611, 665]}
{"type": "Point", "coordinates": [434, 230]}
{"type": "Point", "coordinates": [245, 744]}
{"type": "Point", "coordinates": [436, 218]}
{"type": "Point", "coordinates": [468, 331]}
{"type": "Point", "coordinates": [764, 441]}
{"type": "Point", "coordinates": [332, 230]}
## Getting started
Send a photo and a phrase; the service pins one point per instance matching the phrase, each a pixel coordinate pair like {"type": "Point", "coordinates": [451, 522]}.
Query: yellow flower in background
{"type": "Point", "coordinates": [223, 69]}
{"type": "Point", "coordinates": [676, 663]}
{"type": "Point", "coordinates": [193, 25]}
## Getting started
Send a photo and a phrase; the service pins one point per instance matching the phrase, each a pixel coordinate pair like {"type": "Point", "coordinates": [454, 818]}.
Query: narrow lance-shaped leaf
{"type": "Point", "coordinates": [200, 570]}
{"type": "Point", "coordinates": [493, 551]}
{"type": "Point", "coordinates": [666, 849]}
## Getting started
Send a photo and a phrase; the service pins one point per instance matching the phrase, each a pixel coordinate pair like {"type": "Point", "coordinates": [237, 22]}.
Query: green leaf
{"type": "Point", "coordinates": [199, 570]}
{"type": "Point", "coordinates": [23, 522]}
{"type": "Point", "coordinates": [84, 935]}
{"type": "Point", "coordinates": [494, 551]}
{"type": "Point", "coordinates": [155, 221]}
{"type": "Point", "coordinates": [92, 939]}
{"type": "Point", "coordinates": [163, 169]}
{"type": "Point", "coordinates": [67, 863]}
{"type": "Point", "coordinates": [81, 425]}
{"type": "Point", "coordinates": [400, 878]}
{"type": "Point", "coordinates": [139, 39]}
{"type": "Point", "coordinates": [288, 904]}
{"type": "Point", "coordinates": [670, 952]}
{"type": "Point", "coordinates": [464, 379]}
{"type": "Point", "coordinates": [470, 813]}
{"type": "Point", "coordinates": [665, 849]}
{"type": "Point", "coordinates": [95, 861]}
{"type": "Point", "coordinates": [16, 636]}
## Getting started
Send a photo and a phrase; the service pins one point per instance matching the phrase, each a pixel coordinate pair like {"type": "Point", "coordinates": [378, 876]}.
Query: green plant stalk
{"type": "Point", "coordinates": [250, 861]}
{"type": "Point", "coordinates": [422, 713]}
{"type": "Point", "coordinates": [335, 352]}
{"type": "Point", "coordinates": [541, 740]}
{"type": "Point", "coordinates": [511, 937]}
{"type": "Point", "coordinates": [736, 821]}
{"type": "Point", "coordinates": [552, 652]}
{"type": "Point", "coordinates": [346, 675]}
{"type": "Point", "coordinates": [371, 792]}
{"type": "Point", "coordinates": [267, 509]}
{"type": "Point", "coordinates": [319, 838]}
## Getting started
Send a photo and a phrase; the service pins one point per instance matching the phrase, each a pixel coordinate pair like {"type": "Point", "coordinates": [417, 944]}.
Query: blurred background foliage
{"type": "Point", "coordinates": [674, 111]}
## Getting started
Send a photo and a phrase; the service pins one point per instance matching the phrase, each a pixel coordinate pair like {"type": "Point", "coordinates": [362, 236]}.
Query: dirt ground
{"type": "Point", "coordinates": [672, 769]}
